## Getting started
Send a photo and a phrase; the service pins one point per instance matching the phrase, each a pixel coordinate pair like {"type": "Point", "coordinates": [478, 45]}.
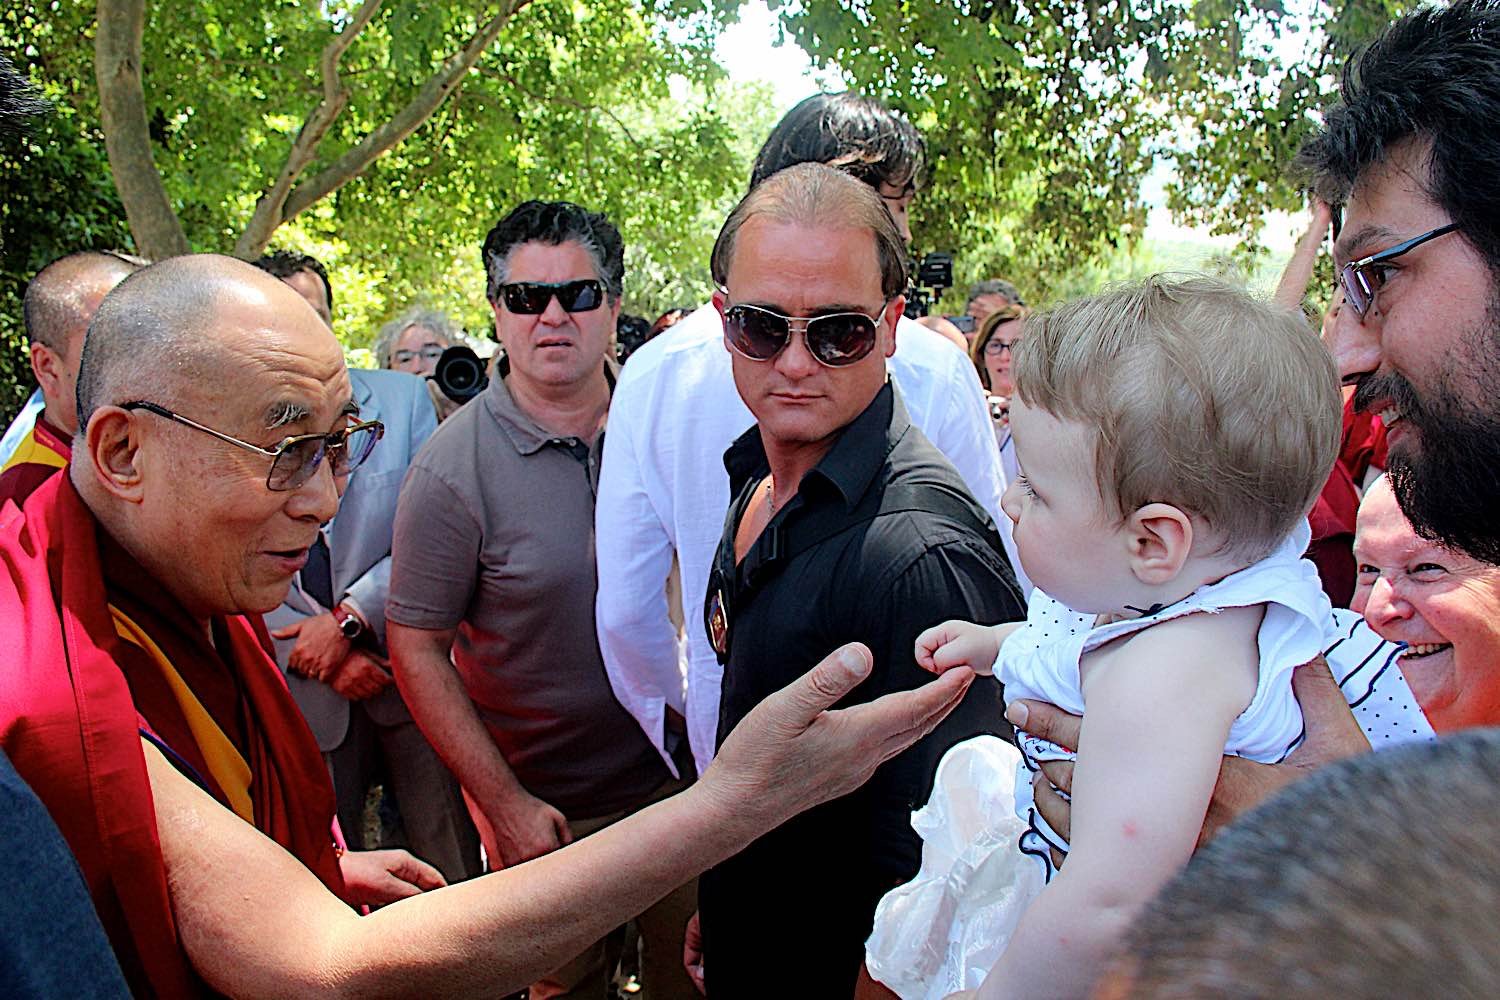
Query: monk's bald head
{"type": "Point", "coordinates": [231, 362]}
{"type": "Point", "coordinates": [62, 298]}
{"type": "Point", "coordinates": [164, 331]}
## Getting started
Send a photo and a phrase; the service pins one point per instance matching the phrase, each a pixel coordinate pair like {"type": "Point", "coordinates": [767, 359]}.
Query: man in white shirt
{"type": "Point", "coordinates": [663, 488]}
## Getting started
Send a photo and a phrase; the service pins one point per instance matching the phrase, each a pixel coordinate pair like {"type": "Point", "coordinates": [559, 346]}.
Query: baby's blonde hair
{"type": "Point", "coordinates": [1205, 399]}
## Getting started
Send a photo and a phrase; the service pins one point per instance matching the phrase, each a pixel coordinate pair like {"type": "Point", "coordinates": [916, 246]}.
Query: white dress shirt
{"type": "Point", "coordinates": [663, 488]}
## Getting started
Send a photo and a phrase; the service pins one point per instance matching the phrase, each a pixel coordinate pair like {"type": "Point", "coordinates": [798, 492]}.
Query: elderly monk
{"type": "Point", "coordinates": [146, 714]}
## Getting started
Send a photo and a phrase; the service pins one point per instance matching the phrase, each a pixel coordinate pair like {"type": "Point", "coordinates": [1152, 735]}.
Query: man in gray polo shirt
{"type": "Point", "coordinates": [494, 560]}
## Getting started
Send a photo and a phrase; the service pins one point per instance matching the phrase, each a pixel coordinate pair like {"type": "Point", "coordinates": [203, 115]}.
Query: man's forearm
{"type": "Point", "coordinates": [255, 922]}
{"type": "Point", "coordinates": [442, 709]}
{"type": "Point", "coordinates": [562, 901]}
{"type": "Point", "coordinates": [485, 937]}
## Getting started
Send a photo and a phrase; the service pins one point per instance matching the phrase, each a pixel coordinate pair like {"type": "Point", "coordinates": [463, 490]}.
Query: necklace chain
{"type": "Point", "coordinates": [771, 496]}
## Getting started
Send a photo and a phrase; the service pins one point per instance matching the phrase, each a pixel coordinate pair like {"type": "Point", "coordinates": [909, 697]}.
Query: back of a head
{"type": "Point", "coordinates": [553, 223]}
{"type": "Point", "coordinates": [284, 264]}
{"type": "Point", "coordinates": [154, 332]}
{"type": "Point", "coordinates": [816, 195]}
{"type": "Point", "coordinates": [1433, 76]}
{"type": "Point", "coordinates": [1374, 877]}
{"type": "Point", "coordinates": [857, 135]}
{"type": "Point", "coordinates": [1205, 398]}
{"type": "Point", "coordinates": [57, 301]}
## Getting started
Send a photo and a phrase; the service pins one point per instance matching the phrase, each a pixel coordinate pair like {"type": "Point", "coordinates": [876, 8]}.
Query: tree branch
{"type": "Point", "coordinates": [428, 99]}
{"type": "Point", "coordinates": [570, 103]}
{"type": "Point", "coordinates": [270, 206]}
{"type": "Point", "coordinates": [127, 136]}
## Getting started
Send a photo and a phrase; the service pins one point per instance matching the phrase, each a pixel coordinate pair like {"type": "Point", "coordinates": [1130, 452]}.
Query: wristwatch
{"type": "Point", "coordinates": [351, 625]}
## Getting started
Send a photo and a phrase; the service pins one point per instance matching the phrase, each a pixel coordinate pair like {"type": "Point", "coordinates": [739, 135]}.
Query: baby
{"type": "Point", "coordinates": [1171, 437]}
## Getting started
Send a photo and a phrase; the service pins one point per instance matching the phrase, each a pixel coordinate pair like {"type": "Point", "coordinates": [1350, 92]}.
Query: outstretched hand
{"type": "Point", "coordinates": [791, 752]}
{"type": "Point", "coordinates": [957, 644]}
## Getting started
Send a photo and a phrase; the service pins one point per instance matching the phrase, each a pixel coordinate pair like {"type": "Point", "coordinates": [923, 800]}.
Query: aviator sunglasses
{"type": "Point", "coordinates": [530, 298]}
{"type": "Point", "coordinates": [834, 340]}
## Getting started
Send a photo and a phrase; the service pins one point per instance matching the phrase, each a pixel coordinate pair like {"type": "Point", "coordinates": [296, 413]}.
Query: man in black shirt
{"type": "Point", "coordinates": [847, 525]}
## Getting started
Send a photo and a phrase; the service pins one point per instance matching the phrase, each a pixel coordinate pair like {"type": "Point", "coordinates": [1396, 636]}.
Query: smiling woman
{"type": "Point", "coordinates": [1443, 604]}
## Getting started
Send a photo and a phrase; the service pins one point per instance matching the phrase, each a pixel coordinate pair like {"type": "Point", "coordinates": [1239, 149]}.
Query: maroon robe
{"type": "Point", "coordinates": [76, 700]}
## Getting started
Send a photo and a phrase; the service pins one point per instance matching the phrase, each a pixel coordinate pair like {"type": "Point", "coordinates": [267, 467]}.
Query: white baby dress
{"type": "Point", "coordinates": [985, 849]}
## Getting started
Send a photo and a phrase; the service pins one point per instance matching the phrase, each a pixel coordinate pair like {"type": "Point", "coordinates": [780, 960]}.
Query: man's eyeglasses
{"type": "Point", "coordinates": [1362, 279]}
{"type": "Point", "coordinates": [295, 459]}
{"type": "Point", "coordinates": [530, 298]}
{"type": "Point", "coordinates": [430, 352]}
{"type": "Point", "coordinates": [835, 340]}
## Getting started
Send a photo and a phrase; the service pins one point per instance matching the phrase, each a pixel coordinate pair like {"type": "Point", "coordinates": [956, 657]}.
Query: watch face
{"type": "Point", "coordinates": [350, 627]}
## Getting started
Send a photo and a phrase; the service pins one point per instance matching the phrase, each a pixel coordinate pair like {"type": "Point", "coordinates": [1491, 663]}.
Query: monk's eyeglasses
{"type": "Point", "coordinates": [295, 459]}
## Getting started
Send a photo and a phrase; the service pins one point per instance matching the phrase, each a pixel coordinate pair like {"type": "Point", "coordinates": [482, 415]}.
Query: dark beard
{"type": "Point", "coordinates": [1450, 488]}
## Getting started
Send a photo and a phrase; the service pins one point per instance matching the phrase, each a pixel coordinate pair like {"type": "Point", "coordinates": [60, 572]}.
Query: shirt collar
{"type": "Point", "coordinates": [850, 465]}
{"type": "Point", "coordinates": [525, 434]}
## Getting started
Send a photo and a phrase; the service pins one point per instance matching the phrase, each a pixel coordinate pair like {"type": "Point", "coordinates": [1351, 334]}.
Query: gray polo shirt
{"type": "Point", "coordinates": [495, 535]}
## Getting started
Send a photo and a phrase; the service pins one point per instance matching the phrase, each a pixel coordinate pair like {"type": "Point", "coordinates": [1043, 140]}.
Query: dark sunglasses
{"type": "Point", "coordinates": [295, 459]}
{"type": "Point", "coordinates": [1362, 279]}
{"type": "Point", "coordinates": [835, 340]}
{"type": "Point", "coordinates": [530, 298]}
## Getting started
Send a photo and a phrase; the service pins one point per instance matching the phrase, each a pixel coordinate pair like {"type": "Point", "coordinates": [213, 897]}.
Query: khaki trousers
{"type": "Point", "coordinates": [588, 975]}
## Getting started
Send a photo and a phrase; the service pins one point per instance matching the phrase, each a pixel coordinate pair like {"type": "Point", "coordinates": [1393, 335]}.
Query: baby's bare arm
{"type": "Point", "coordinates": [962, 644]}
{"type": "Point", "coordinates": [1140, 795]}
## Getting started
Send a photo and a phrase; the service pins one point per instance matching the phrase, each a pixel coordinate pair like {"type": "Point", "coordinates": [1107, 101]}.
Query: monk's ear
{"type": "Point", "coordinates": [113, 446]}
{"type": "Point", "coordinates": [1160, 539]}
{"type": "Point", "coordinates": [47, 367]}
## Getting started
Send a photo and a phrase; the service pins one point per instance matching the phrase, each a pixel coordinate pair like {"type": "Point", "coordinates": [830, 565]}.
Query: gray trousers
{"type": "Point", "coordinates": [436, 823]}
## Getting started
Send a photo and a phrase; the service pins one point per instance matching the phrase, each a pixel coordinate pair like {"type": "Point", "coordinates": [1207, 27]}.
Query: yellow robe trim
{"type": "Point", "coordinates": [32, 451]}
{"type": "Point", "coordinates": [224, 762]}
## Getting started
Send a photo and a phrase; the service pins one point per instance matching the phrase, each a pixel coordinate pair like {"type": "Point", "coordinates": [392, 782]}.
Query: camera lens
{"type": "Point", "coordinates": [460, 374]}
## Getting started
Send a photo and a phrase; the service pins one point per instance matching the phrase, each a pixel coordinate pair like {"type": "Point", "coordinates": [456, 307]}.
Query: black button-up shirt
{"type": "Point", "coordinates": [799, 901]}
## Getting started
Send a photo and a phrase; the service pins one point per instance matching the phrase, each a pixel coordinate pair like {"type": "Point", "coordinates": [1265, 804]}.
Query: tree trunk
{"type": "Point", "coordinates": [127, 137]}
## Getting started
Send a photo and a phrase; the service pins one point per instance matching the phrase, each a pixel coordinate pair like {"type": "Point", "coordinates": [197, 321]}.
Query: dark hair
{"type": "Point", "coordinates": [285, 263]}
{"type": "Point", "coordinates": [861, 137]}
{"type": "Point", "coordinates": [1378, 876]}
{"type": "Point", "coordinates": [813, 194]}
{"type": "Point", "coordinates": [1433, 76]}
{"type": "Point", "coordinates": [555, 223]}
{"type": "Point", "coordinates": [19, 101]}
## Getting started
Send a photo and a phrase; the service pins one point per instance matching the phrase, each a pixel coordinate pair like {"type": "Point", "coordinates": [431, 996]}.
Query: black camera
{"type": "Point", "coordinates": [460, 374]}
{"type": "Point", "coordinates": [934, 275]}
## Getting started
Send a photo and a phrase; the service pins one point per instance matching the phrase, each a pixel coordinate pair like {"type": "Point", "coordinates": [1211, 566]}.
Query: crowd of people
{"type": "Point", "coordinates": [760, 663]}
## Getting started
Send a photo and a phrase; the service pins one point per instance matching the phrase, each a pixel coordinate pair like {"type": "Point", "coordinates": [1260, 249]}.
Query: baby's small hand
{"type": "Point", "coordinates": [957, 644]}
